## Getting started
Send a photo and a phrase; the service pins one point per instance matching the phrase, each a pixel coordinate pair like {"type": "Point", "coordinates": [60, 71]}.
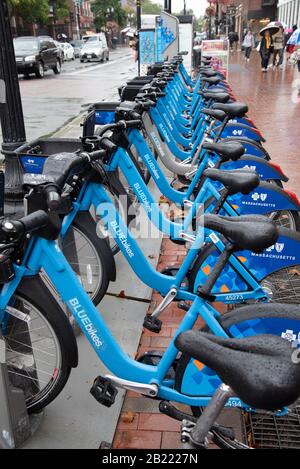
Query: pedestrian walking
{"type": "Point", "coordinates": [266, 48]}
{"type": "Point", "coordinates": [278, 48]}
{"type": "Point", "coordinates": [291, 44]}
{"type": "Point", "coordinates": [248, 44]}
{"type": "Point", "coordinates": [231, 38]}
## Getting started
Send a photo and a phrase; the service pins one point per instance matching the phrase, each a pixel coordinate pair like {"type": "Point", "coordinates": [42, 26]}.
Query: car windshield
{"type": "Point", "coordinates": [91, 39]}
{"type": "Point", "coordinates": [77, 43]}
{"type": "Point", "coordinates": [26, 45]}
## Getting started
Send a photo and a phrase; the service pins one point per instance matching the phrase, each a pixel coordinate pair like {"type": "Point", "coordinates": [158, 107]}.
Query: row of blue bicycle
{"type": "Point", "coordinates": [240, 227]}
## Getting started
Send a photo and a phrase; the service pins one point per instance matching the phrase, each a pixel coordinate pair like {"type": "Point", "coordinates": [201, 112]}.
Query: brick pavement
{"type": "Point", "coordinates": [269, 97]}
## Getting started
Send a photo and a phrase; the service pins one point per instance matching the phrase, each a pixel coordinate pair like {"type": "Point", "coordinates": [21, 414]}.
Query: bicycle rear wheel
{"type": "Point", "coordinates": [282, 320]}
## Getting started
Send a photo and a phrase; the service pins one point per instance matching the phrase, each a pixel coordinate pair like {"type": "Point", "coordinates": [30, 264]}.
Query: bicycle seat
{"type": "Point", "coordinates": [209, 73]}
{"type": "Point", "coordinates": [227, 150]}
{"type": "Point", "coordinates": [218, 97]}
{"type": "Point", "coordinates": [232, 109]}
{"type": "Point", "coordinates": [248, 234]}
{"type": "Point", "coordinates": [234, 180]}
{"type": "Point", "coordinates": [211, 80]}
{"type": "Point", "coordinates": [218, 115]}
{"type": "Point", "coordinates": [258, 369]}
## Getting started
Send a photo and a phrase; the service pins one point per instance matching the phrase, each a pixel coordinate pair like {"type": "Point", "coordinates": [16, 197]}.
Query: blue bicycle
{"type": "Point", "coordinates": [48, 365]}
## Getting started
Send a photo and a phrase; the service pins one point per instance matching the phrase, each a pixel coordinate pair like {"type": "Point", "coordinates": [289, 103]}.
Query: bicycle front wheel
{"type": "Point", "coordinates": [40, 345]}
{"type": "Point", "coordinates": [88, 255]}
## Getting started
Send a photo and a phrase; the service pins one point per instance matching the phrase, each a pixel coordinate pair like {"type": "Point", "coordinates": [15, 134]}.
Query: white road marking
{"type": "Point", "coordinates": [106, 64]}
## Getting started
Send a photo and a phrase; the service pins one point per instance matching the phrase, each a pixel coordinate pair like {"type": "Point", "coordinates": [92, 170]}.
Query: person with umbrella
{"type": "Point", "coordinates": [266, 45]}
{"type": "Point", "coordinates": [278, 40]}
{"type": "Point", "coordinates": [294, 42]}
{"type": "Point", "coordinates": [266, 49]}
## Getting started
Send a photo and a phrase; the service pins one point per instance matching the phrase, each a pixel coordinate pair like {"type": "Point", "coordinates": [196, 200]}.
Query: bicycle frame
{"type": "Point", "coordinates": [44, 254]}
{"type": "Point", "coordinates": [93, 194]}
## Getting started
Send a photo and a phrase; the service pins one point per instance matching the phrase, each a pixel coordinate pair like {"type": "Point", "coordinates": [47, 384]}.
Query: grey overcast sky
{"type": "Point", "coordinates": [198, 6]}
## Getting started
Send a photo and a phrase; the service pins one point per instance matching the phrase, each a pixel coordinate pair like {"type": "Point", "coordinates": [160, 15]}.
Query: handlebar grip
{"type": "Point", "coordinates": [108, 145]}
{"type": "Point", "coordinates": [134, 124]}
{"type": "Point", "coordinates": [35, 221]}
{"type": "Point", "coordinates": [135, 115]}
{"type": "Point", "coordinates": [53, 198]}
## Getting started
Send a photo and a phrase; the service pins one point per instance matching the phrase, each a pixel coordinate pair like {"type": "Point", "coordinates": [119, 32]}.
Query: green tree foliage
{"type": "Point", "coordinates": [32, 11]}
{"type": "Point", "coordinates": [37, 11]}
{"type": "Point", "coordinates": [62, 9]}
{"type": "Point", "coordinates": [100, 7]}
{"type": "Point", "coordinates": [149, 8]}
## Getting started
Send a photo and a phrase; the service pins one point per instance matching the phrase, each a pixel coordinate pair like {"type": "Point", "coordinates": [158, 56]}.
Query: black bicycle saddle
{"type": "Point", "coordinates": [232, 109]}
{"type": "Point", "coordinates": [211, 80]}
{"type": "Point", "coordinates": [258, 369]}
{"type": "Point", "coordinates": [234, 180]}
{"type": "Point", "coordinates": [209, 73]}
{"type": "Point", "coordinates": [218, 115]}
{"type": "Point", "coordinates": [227, 150]}
{"type": "Point", "coordinates": [246, 234]}
{"type": "Point", "coordinates": [222, 98]}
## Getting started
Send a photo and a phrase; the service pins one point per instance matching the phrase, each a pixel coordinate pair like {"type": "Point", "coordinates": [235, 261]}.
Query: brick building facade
{"type": "Point", "coordinates": [80, 20]}
{"type": "Point", "coordinates": [254, 14]}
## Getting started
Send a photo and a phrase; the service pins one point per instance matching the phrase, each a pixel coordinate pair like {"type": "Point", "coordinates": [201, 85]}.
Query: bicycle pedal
{"type": "Point", "coordinates": [152, 324]}
{"type": "Point", "coordinates": [184, 306]}
{"type": "Point", "coordinates": [170, 271]}
{"type": "Point", "coordinates": [153, 358]}
{"type": "Point", "coordinates": [104, 391]}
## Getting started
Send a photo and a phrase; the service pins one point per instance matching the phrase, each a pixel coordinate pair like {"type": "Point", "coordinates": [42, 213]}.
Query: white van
{"type": "Point", "coordinates": [94, 48]}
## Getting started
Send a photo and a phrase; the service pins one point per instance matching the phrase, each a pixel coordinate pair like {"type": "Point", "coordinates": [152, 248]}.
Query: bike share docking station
{"type": "Point", "coordinates": [16, 426]}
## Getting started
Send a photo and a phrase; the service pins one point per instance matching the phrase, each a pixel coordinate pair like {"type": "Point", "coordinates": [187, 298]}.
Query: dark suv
{"type": "Point", "coordinates": [36, 54]}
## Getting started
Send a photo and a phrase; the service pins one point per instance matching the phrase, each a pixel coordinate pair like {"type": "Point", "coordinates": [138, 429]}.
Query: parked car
{"type": "Point", "coordinates": [94, 48]}
{"type": "Point", "coordinates": [35, 55]}
{"type": "Point", "coordinates": [60, 50]}
{"type": "Point", "coordinates": [68, 51]}
{"type": "Point", "coordinates": [77, 46]}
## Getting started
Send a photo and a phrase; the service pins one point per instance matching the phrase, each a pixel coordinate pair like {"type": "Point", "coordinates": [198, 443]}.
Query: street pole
{"type": "Point", "coordinates": [184, 7]}
{"type": "Point", "coordinates": [217, 19]}
{"type": "Point", "coordinates": [78, 20]}
{"type": "Point", "coordinates": [139, 27]}
{"type": "Point", "coordinates": [168, 6]}
{"type": "Point", "coordinates": [11, 112]}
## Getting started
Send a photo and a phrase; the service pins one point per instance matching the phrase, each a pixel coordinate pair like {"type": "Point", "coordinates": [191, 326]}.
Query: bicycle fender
{"type": "Point", "coordinates": [266, 198]}
{"type": "Point", "coordinates": [36, 284]}
{"type": "Point", "coordinates": [240, 130]}
{"type": "Point", "coordinates": [265, 170]}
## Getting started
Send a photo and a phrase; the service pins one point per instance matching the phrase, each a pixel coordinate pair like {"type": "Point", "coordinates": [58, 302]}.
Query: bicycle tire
{"type": "Point", "coordinates": [85, 224]}
{"type": "Point", "coordinates": [233, 323]}
{"type": "Point", "coordinates": [33, 291]}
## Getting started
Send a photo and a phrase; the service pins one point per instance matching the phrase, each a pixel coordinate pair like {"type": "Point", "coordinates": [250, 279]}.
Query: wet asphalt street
{"type": "Point", "coordinates": [51, 102]}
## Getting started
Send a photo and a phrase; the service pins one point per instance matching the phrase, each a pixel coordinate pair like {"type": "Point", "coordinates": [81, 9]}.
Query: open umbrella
{"type": "Point", "coordinates": [295, 38]}
{"type": "Point", "coordinates": [271, 27]}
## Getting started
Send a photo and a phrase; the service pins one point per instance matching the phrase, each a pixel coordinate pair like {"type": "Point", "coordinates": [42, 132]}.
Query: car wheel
{"type": "Point", "coordinates": [39, 71]}
{"type": "Point", "coordinates": [82, 61]}
{"type": "Point", "coordinates": [57, 68]}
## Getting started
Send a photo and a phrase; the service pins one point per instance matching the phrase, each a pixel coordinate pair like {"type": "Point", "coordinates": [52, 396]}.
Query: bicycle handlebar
{"type": "Point", "coordinates": [15, 229]}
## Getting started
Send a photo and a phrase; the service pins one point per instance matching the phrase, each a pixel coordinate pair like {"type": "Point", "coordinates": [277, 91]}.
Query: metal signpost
{"type": "Point", "coordinates": [11, 112]}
